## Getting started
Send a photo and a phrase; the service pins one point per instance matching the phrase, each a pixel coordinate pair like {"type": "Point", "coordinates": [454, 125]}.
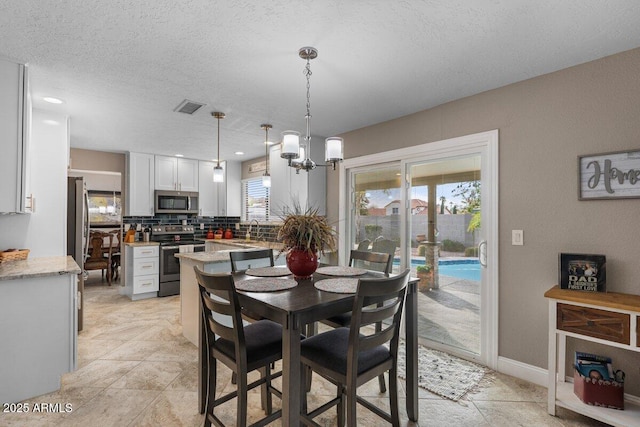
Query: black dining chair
{"type": "Point", "coordinates": [374, 261]}
{"type": "Point", "coordinates": [350, 357]}
{"type": "Point", "coordinates": [243, 260]}
{"type": "Point", "coordinates": [242, 348]}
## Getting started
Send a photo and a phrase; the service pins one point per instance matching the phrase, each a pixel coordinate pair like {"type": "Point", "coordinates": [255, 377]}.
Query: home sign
{"type": "Point", "coordinates": [609, 176]}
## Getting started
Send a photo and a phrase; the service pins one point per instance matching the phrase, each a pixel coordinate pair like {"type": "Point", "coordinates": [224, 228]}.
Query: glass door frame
{"type": "Point", "coordinates": [485, 143]}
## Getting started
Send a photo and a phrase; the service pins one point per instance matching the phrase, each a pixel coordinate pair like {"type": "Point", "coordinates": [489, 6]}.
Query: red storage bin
{"type": "Point", "coordinates": [609, 394]}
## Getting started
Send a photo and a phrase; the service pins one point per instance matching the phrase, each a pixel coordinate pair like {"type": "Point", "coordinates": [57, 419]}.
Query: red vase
{"type": "Point", "coordinates": [301, 263]}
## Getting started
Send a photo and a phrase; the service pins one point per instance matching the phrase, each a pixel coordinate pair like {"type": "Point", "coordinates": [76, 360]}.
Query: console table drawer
{"type": "Point", "coordinates": [606, 325]}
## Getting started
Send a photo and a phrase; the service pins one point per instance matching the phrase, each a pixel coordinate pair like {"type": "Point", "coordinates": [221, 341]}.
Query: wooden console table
{"type": "Point", "coordinates": [608, 318]}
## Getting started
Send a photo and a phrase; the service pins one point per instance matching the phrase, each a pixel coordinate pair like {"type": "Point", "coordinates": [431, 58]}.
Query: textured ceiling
{"type": "Point", "coordinates": [122, 66]}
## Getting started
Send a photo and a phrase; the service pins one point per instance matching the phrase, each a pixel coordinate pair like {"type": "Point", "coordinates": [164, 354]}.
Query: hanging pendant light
{"type": "Point", "coordinates": [266, 178]}
{"type": "Point", "coordinates": [218, 171]}
{"type": "Point", "coordinates": [291, 148]}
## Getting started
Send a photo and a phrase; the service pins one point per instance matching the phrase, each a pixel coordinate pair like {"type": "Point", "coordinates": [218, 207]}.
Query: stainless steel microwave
{"type": "Point", "coordinates": [179, 202]}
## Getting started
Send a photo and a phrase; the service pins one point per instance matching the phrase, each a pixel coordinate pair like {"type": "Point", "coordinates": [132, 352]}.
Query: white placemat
{"type": "Point", "coordinates": [265, 284]}
{"type": "Point", "coordinates": [338, 286]}
{"type": "Point", "coordinates": [268, 271]}
{"type": "Point", "coordinates": [341, 271]}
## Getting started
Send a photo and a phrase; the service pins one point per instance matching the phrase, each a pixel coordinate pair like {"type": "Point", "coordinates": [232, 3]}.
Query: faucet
{"type": "Point", "coordinates": [257, 228]}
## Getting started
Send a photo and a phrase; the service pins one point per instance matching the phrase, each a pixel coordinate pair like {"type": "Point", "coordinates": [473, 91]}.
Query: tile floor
{"type": "Point", "coordinates": [136, 369]}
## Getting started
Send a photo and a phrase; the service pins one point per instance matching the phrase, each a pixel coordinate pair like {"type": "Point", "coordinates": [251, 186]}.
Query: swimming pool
{"type": "Point", "coordinates": [468, 269]}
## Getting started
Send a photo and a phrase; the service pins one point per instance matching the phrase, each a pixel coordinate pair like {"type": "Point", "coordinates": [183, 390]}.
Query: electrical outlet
{"type": "Point", "coordinates": [138, 227]}
{"type": "Point", "coordinates": [201, 226]}
{"type": "Point", "coordinates": [517, 237]}
{"type": "Point", "coordinates": [237, 226]}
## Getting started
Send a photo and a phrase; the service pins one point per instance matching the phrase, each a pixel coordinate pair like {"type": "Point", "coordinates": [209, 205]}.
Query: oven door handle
{"type": "Point", "coordinates": [164, 248]}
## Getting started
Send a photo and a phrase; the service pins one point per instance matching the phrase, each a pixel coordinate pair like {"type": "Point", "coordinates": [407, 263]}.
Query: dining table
{"type": "Point", "coordinates": [295, 309]}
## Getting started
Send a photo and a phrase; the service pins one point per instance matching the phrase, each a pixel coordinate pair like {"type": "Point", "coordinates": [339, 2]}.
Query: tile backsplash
{"type": "Point", "coordinates": [265, 232]}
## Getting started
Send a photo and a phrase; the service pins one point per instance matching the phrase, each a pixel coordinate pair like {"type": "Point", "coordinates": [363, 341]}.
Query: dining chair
{"type": "Point", "coordinates": [374, 261]}
{"type": "Point", "coordinates": [243, 260]}
{"type": "Point", "coordinates": [364, 245]}
{"type": "Point", "coordinates": [242, 348]}
{"type": "Point", "coordinates": [350, 357]}
{"type": "Point", "coordinates": [115, 254]}
{"type": "Point", "coordinates": [97, 258]}
{"type": "Point", "coordinates": [384, 245]}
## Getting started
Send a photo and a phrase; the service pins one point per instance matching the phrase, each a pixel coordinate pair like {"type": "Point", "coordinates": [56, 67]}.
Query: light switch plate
{"type": "Point", "coordinates": [517, 237]}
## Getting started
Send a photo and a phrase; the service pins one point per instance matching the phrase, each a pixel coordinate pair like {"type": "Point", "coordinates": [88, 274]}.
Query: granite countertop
{"type": "Point", "coordinates": [142, 244]}
{"type": "Point", "coordinates": [38, 267]}
{"type": "Point", "coordinates": [216, 256]}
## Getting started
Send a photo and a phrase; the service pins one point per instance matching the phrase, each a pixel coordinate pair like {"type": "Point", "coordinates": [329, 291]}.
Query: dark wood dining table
{"type": "Point", "coordinates": [298, 307]}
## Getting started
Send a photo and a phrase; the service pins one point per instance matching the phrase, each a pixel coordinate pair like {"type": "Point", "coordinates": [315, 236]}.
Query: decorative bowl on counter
{"type": "Point", "coordinates": [14, 255]}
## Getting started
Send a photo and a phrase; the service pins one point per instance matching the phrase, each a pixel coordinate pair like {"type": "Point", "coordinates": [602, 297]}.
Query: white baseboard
{"type": "Point", "coordinates": [526, 372]}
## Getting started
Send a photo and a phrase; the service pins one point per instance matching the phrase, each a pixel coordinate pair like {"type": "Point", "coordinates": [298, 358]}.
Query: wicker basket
{"type": "Point", "coordinates": [17, 255]}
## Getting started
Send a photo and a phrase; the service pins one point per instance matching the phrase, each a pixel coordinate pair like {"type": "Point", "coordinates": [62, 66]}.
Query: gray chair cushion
{"type": "Point", "coordinates": [263, 339]}
{"type": "Point", "coordinates": [329, 349]}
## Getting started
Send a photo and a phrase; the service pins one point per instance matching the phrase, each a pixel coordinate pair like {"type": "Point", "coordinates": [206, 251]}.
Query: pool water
{"type": "Point", "coordinates": [468, 269]}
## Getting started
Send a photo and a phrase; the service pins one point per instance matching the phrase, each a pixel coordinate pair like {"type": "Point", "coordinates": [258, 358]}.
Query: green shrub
{"type": "Point", "coordinates": [452, 246]}
{"type": "Point", "coordinates": [372, 231]}
{"type": "Point", "coordinates": [471, 252]}
{"type": "Point", "coordinates": [423, 268]}
{"type": "Point", "coordinates": [422, 250]}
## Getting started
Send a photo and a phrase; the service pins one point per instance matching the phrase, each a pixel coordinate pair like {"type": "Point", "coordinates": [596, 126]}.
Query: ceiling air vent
{"type": "Point", "coordinates": [188, 107]}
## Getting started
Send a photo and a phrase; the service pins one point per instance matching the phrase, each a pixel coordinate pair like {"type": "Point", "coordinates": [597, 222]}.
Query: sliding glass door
{"type": "Point", "coordinates": [434, 207]}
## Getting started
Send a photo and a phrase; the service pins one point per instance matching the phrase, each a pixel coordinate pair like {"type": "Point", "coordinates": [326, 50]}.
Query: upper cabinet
{"type": "Point", "coordinates": [140, 183]}
{"type": "Point", "coordinates": [14, 125]}
{"type": "Point", "coordinates": [220, 198]}
{"type": "Point", "coordinates": [208, 192]}
{"type": "Point", "coordinates": [173, 173]}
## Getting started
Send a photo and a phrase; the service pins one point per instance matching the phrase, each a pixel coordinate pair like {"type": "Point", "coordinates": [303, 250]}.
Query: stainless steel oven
{"type": "Point", "coordinates": [171, 237]}
{"type": "Point", "coordinates": [180, 202]}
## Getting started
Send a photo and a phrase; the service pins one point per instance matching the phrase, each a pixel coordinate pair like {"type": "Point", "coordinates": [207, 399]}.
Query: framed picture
{"type": "Point", "coordinates": [582, 272]}
{"type": "Point", "coordinates": [609, 176]}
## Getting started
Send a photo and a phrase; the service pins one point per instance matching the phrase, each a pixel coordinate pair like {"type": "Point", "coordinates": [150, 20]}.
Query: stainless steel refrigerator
{"type": "Point", "coordinates": [78, 231]}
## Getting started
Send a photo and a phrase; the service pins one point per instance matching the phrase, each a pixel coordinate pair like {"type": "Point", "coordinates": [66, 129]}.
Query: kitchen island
{"type": "Point", "coordinates": [38, 325]}
{"type": "Point", "coordinates": [216, 261]}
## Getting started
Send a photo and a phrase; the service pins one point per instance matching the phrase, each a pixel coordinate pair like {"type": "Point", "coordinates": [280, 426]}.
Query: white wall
{"type": "Point", "coordinates": [44, 231]}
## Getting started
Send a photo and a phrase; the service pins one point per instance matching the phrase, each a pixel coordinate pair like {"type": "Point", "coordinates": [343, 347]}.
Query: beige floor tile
{"type": "Point", "coordinates": [99, 373]}
{"type": "Point", "coordinates": [111, 407]}
{"type": "Point", "coordinates": [171, 408]}
{"type": "Point", "coordinates": [133, 350]}
{"type": "Point", "coordinates": [149, 375]}
{"type": "Point", "coordinates": [512, 414]}
{"type": "Point", "coordinates": [500, 387]}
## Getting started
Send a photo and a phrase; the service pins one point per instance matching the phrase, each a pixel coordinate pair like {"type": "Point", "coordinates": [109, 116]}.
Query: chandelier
{"type": "Point", "coordinates": [299, 156]}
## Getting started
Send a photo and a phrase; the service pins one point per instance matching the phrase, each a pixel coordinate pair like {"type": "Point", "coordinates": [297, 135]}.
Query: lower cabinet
{"type": "Point", "coordinates": [142, 272]}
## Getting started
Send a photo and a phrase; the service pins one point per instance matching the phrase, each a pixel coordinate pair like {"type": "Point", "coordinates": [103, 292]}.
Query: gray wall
{"type": "Point", "coordinates": [544, 124]}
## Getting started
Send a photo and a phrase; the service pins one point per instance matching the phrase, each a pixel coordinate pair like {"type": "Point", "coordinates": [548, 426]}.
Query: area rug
{"type": "Point", "coordinates": [443, 374]}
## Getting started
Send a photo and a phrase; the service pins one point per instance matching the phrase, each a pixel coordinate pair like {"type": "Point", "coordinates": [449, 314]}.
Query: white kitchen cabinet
{"type": "Point", "coordinates": [39, 330]}
{"type": "Point", "coordinates": [14, 125]}
{"type": "Point", "coordinates": [208, 190]}
{"type": "Point", "coordinates": [287, 187]}
{"type": "Point", "coordinates": [220, 199]}
{"type": "Point", "coordinates": [140, 184]}
{"type": "Point", "coordinates": [142, 271]}
{"type": "Point", "coordinates": [176, 174]}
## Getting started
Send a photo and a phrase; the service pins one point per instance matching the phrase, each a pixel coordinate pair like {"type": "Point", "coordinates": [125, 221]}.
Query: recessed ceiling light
{"type": "Point", "coordinates": [51, 122]}
{"type": "Point", "coordinates": [179, 155]}
{"type": "Point", "coordinates": [52, 100]}
{"type": "Point", "coordinates": [239, 153]}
